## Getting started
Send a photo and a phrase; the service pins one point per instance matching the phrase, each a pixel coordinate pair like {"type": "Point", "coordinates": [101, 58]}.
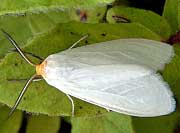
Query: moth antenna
{"type": "Point", "coordinates": [21, 95]}
{"type": "Point", "coordinates": [13, 42]}
{"type": "Point", "coordinates": [82, 38]}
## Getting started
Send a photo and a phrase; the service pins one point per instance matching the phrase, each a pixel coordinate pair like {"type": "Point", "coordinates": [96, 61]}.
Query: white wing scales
{"type": "Point", "coordinates": [142, 51]}
{"type": "Point", "coordinates": [146, 96]}
{"type": "Point", "coordinates": [118, 75]}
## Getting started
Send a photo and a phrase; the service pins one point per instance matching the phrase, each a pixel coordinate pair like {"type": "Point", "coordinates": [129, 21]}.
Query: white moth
{"type": "Point", "coordinates": [119, 75]}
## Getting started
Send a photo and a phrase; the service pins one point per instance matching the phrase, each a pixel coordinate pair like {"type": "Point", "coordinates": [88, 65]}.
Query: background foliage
{"type": "Point", "coordinates": [45, 27]}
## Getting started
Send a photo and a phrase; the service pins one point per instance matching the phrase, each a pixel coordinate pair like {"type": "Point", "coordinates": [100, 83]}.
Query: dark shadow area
{"type": "Point", "coordinates": [154, 5]}
{"type": "Point", "coordinates": [65, 127]}
{"type": "Point", "coordinates": [23, 124]}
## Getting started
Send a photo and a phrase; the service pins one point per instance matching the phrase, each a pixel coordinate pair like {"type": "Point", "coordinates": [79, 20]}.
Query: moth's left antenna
{"type": "Point", "coordinates": [21, 95]}
{"type": "Point", "coordinates": [13, 42]}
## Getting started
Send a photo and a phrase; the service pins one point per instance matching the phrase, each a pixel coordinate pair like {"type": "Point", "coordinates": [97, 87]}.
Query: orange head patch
{"type": "Point", "coordinates": [40, 69]}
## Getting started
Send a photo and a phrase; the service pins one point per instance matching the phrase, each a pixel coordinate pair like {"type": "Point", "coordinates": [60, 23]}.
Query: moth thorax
{"type": "Point", "coordinates": [40, 69]}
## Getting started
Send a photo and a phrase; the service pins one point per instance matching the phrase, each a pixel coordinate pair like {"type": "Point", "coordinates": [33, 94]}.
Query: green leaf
{"type": "Point", "coordinates": [40, 97]}
{"type": "Point", "coordinates": [107, 123]}
{"type": "Point", "coordinates": [44, 21]}
{"type": "Point", "coordinates": [147, 18]}
{"type": "Point", "coordinates": [24, 27]}
{"type": "Point", "coordinates": [118, 123]}
{"type": "Point", "coordinates": [11, 125]}
{"type": "Point", "coordinates": [163, 124]}
{"type": "Point", "coordinates": [172, 15]}
{"type": "Point", "coordinates": [22, 6]}
{"type": "Point", "coordinates": [13, 25]}
{"type": "Point", "coordinates": [43, 124]}
{"type": "Point", "coordinates": [88, 15]}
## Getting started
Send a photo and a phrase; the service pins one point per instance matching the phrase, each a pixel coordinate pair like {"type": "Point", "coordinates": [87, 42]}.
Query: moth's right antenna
{"type": "Point", "coordinates": [13, 42]}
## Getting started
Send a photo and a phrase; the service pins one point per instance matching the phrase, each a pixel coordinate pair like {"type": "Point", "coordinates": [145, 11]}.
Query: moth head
{"type": "Point", "coordinates": [40, 69]}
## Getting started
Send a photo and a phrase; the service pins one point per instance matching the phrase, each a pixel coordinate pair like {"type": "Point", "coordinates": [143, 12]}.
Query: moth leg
{"type": "Point", "coordinates": [28, 53]}
{"type": "Point", "coordinates": [107, 110]}
{"type": "Point", "coordinates": [22, 80]}
{"type": "Point", "coordinates": [82, 38]}
{"type": "Point", "coordinates": [37, 78]}
{"type": "Point", "coordinates": [72, 104]}
{"type": "Point", "coordinates": [36, 56]}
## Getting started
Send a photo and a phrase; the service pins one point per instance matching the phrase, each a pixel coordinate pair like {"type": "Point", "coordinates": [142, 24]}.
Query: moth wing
{"type": "Point", "coordinates": [146, 96]}
{"type": "Point", "coordinates": [151, 53]}
{"type": "Point", "coordinates": [118, 75]}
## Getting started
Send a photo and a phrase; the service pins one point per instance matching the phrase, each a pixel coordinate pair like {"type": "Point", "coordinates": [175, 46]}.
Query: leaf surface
{"type": "Point", "coordinates": [149, 19]}
{"type": "Point", "coordinates": [11, 125]}
{"type": "Point", "coordinates": [108, 123]}
{"type": "Point", "coordinates": [43, 124]}
{"type": "Point", "coordinates": [172, 14]}
{"type": "Point", "coordinates": [22, 6]}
